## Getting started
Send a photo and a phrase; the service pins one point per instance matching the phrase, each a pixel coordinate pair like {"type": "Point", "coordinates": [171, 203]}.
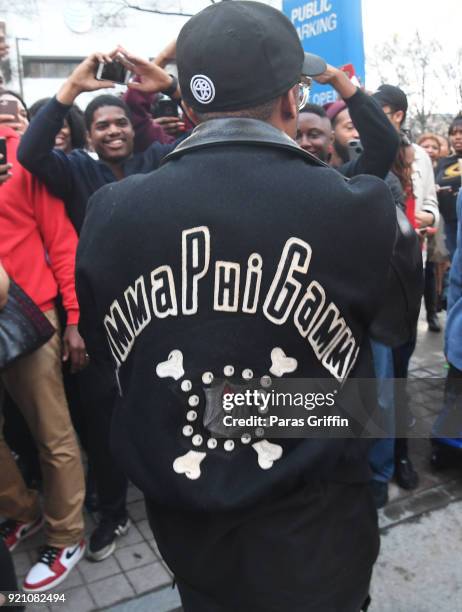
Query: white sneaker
{"type": "Point", "coordinates": [53, 567]}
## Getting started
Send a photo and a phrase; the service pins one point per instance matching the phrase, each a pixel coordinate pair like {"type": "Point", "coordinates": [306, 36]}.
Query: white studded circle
{"type": "Point", "coordinates": [259, 432]}
{"type": "Point", "coordinates": [191, 415]}
{"type": "Point", "coordinates": [193, 400]}
{"type": "Point", "coordinates": [265, 381]}
{"type": "Point", "coordinates": [212, 443]}
{"type": "Point", "coordinates": [207, 378]}
{"type": "Point", "coordinates": [197, 440]}
{"type": "Point", "coordinates": [228, 445]}
{"type": "Point", "coordinates": [245, 438]}
{"type": "Point", "coordinates": [188, 430]}
{"type": "Point", "coordinates": [228, 370]}
{"type": "Point", "coordinates": [186, 385]}
{"type": "Point", "coordinates": [247, 374]}
{"type": "Point", "coordinates": [202, 88]}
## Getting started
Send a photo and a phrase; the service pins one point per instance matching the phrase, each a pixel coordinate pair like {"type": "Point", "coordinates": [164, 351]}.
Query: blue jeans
{"type": "Point", "coordinates": [381, 454]}
{"type": "Point", "coordinates": [450, 230]}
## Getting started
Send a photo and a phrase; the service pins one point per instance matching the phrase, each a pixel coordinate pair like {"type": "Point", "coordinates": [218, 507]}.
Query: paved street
{"type": "Point", "coordinates": [419, 568]}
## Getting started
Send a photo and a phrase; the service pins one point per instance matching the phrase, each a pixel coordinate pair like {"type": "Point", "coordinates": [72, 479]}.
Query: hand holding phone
{"type": "Point", "coordinates": [152, 78]}
{"type": "Point", "coordinates": [174, 126]}
{"type": "Point", "coordinates": [83, 78]}
{"type": "Point", "coordinates": [113, 71]}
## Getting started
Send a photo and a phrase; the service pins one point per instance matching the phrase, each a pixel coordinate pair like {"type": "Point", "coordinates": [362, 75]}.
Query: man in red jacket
{"type": "Point", "coordinates": [37, 249]}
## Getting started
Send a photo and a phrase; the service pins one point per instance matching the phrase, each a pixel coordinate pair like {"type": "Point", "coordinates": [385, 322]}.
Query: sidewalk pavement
{"type": "Point", "coordinates": [419, 567]}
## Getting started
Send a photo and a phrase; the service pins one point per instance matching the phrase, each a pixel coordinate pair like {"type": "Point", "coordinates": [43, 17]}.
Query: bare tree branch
{"type": "Point", "coordinates": [135, 7]}
{"type": "Point", "coordinates": [420, 68]}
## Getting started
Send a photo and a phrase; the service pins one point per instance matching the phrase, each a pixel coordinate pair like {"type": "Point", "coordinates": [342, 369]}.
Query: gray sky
{"type": "Point", "coordinates": [441, 21]}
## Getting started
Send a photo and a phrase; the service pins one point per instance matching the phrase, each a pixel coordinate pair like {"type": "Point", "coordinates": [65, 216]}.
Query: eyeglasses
{"type": "Point", "coordinates": [304, 87]}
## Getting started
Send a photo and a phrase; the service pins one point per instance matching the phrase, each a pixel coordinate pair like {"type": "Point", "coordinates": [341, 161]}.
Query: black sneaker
{"type": "Point", "coordinates": [103, 539]}
{"type": "Point", "coordinates": [405, 474]}
{"type": "Point", "coordinates": [433, 323]}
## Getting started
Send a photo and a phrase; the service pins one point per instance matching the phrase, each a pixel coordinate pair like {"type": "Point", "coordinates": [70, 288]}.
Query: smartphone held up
{"type": "Point", "coordinates": [9, 107]}
{"type": "Point", "coordinates": [114, 71]}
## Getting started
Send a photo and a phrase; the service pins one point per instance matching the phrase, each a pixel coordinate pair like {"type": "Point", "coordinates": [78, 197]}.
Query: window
{"type": "Point", "coordinates": [49, 67]}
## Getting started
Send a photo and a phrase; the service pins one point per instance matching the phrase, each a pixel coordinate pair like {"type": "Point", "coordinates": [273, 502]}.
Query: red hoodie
{"type": "Point", "coordinates": [37, 241]}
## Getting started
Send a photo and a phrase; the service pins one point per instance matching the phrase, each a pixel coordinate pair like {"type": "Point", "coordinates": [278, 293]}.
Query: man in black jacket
{"type": "Point", "coordinates": [230, 263]}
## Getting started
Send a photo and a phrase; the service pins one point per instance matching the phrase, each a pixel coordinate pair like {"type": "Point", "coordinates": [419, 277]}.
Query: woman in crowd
{"type": "Point", "coordinates": [72, 134]}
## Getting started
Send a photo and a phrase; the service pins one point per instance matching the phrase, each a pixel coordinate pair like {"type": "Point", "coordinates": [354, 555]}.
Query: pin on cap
{"type": "Point", "coordinates": [234, 55]}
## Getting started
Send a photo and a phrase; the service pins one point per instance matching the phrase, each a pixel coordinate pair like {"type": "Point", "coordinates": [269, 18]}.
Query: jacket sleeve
{"type": "Point", "coordinates": [38, 155]}
{"type": "Point", "coordinates": [91, 325]}
{"type": "Point", "coordinates": [146, 131]}
{"type": "Point", "coordinates": [378, 136]}
{"type": "Point", "coordinates": [455, 276]}
{"type": "Point", "coordinates": [430, 200]}
{"type": "Point", "coordinates": [396, 321]}
{"type": "Point", "coordinates": [60, 240]}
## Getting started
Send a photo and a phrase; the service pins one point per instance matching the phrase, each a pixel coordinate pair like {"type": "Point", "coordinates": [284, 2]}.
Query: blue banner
{"type": "Point", "coordinates": [332, 29]}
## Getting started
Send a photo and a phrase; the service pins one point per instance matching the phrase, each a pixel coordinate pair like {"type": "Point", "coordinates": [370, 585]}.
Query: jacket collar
{"type": "Point", "coordinates": [219, 132]}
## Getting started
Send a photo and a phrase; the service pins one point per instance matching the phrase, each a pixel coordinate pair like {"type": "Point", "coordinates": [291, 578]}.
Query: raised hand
{"type": "Point", "coordinates": [83, 78]}
{"type": "Point", "coordinates": [174, 126]}
{"type": "Point", "coordinates": [153, 78]}
{"type": "Point", "coordinates": [338, 79]}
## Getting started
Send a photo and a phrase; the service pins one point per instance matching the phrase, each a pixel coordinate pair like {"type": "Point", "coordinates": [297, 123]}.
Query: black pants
{"type": "Point", "coordinates": [98, 394]}
{"type": "Point", "coordinates": [430, 295]}
{"type": "Point", "coordinates": [312, 551]}
{"type": "Point", "coordinates": [7, 576]}
{"type": "Point", "coordinates": [195, 602]}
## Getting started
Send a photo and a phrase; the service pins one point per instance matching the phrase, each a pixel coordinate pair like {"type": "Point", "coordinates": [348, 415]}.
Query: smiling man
{"type": "Point", "coordinates": [111, 133]}
{"type": "Point", "coordinates": [74, 177]}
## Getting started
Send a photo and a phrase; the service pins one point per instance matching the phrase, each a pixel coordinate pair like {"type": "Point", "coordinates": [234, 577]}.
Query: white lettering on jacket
{"type": "Point", "coordinates": [290, 297]}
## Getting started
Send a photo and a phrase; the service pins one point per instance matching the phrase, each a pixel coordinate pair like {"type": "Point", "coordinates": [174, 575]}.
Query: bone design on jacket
{"type": "Point", "coordinates": [317, 319]}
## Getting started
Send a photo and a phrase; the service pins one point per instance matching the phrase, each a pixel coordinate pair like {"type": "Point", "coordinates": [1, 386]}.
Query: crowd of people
{"type": "Point", "coordinates": [109, 214]}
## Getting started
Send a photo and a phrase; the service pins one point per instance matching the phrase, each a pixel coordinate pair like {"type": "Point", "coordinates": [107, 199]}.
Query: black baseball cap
{"type": "Point", "coordinates": [389, 95]}
{"type": "Point", "coordinates": [234, 55]}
